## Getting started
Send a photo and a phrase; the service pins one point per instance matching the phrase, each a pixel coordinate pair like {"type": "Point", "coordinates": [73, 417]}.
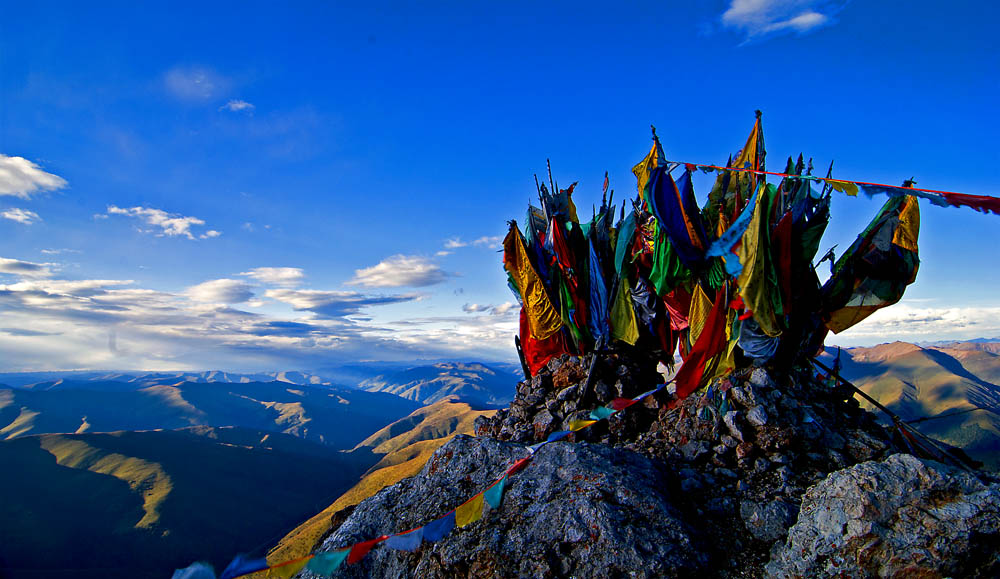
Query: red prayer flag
{"type": "Point", "coordinates": [359, 550]}
{"type": "Point", "coordinates": [621, 403]}
{"type": "Point", "coordinates": [518, 465]}
{"type": "Point", "coordinates": [711, 341]}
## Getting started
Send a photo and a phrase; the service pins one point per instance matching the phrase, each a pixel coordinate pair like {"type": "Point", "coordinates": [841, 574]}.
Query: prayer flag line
{"type": "Point", "coordinates": [984, 203]}
{"type": "Point", "coordinates": [325, 563]}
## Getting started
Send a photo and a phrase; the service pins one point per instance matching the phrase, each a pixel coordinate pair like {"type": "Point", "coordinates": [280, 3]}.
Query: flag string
{"type": "Point", "coordinates": [984, 203]}
{"type": "Point", "coordinates": [326, 562]}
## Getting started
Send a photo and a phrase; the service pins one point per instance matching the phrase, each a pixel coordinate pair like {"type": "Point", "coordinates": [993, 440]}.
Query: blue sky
{"type": "Point", "coordinates": [247, 186]}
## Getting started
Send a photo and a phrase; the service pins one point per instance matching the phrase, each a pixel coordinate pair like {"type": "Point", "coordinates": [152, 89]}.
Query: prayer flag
{"type": "Point", "coordinates": [575, 425]}
{"type": "Point", "coordinates": [543, 318]}
{"type": "Point", "coordinates": [623, 324]}
{"type": "Point", "coordinates": [710, 343]}
{"type": "Point", "coordinates": [645, 167]}
{"type": "Point", "coordinates": [242, 565]}
{"type": "Point", "coordinates": [438, 528]}
{"type": "Point", "coordinates": [359, 550]}
{"type": "Point", "coordinates": [601, 413]}
{"type": "Point", "coordinates": [288, 569]}
{"type": "Point", "coordinates": [621, 403]}
{"type": "Point", "coordinates": [327, 562]}
{"type": "Point", "coordinates": [408, 541]}
{"type": "Point", "coordinates": [557, 436]}
{"type": "Point", "coordinates": [494, 494]}
{"type": "Point", "coordinates": [470, 511]}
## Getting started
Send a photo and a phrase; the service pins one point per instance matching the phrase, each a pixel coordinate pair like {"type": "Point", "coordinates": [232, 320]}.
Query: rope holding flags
{"type": "Point", "coordinates": [327, 562]}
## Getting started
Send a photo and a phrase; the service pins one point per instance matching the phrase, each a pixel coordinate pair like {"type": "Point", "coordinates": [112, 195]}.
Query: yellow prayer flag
{"type": "Point", "coordinates": [701, 305]}
{"type": "Point", "coordinates": [645, 167]}
{"type": "Point", "coordinates": [575, 425]}
{"type": "Point", "coordinates": [543, 318]}
{"type": "Point", "coordinates": [469, 512]}
{"type": "Point", "coordinates": [843, 186]}
{"type": "Point", "coordinates": [623, 324]}
{"type": "Point", "coordinates": [288, 571]}
{"type": "Point", "coordinates": [906, 232]}
{"type": "Point", "coordinates": [757, 281]}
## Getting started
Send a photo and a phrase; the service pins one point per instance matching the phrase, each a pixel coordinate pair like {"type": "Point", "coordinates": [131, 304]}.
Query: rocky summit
{"type": "Point", "coordinates": [761, 474]}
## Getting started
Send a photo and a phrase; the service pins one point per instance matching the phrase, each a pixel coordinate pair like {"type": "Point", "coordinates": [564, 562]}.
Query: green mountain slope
{"type": "Point", "coordinates": [961, 384]}
{"type": "Point", "coordinates": [474, 382]}
{"type": "Point", "coordinates": [339, 417]}
{"type": "Point", "coordinates": [139, 504]}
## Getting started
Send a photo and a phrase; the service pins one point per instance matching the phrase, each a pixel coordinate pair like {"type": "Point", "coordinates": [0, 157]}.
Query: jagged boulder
{"type": "Point", "coordinates": [583, 510]}
{"type": "Point", "coordinates": [903, 517]}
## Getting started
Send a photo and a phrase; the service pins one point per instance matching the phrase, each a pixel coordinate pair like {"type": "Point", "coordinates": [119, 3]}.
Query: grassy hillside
{"type": "Point", "coordinates": [139, 504]}
{"type": "Point", "coordinates": [401, 449]}
{"type": "Point", "coordinates": [429, 384]}
{"type": "Point", "coordinates": [917, 382]}
{"type": "Point", "coordinates": [339, 417]}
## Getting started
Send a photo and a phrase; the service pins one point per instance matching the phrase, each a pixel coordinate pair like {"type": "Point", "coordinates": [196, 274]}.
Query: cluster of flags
{"type": "Point", "coordinates": [326, 562]}
{"type": "Point", "coordinates": [725, 284]}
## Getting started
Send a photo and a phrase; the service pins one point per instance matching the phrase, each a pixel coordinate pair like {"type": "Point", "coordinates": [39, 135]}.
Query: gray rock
{"type": "Point", "coordinates": [744, 396]}
{"type": "Point", "coordinates": [567, 393]}
{"type": "Point", "coordinates": [900, 517]}
{"type": "Point", "coordinates": [695, 449]}
{"type": "Point", "coordinates": [767, 521]}
{"type": "Point", "coordinates": [761, 379]}
{"type": "Point", "coordinates": [577, 510]}
{"type": "Point", "coordinates": [757, 417]}
{"type": "Point", "coordinates": [731, 420]}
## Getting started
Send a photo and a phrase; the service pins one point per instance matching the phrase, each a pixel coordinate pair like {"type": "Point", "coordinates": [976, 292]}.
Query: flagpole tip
{"type": "Point", "coordinates": [757, 113]}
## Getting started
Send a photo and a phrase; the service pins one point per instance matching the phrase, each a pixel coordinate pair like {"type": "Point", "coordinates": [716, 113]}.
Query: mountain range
{"type": "Point", "coordinates": [136, 504]}
{"type": "Point", "coordinates": [949, 391]}
{"type": "Point", "coordinates": [473, 382]}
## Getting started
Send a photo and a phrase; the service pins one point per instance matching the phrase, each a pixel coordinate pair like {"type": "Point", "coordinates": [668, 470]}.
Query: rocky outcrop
{"type": "Point", "coordinates": [709, 485]}
{"type": "Point", "coordinates": [903, 517]}
{"type": "Point", "coordinates": [579, 510]}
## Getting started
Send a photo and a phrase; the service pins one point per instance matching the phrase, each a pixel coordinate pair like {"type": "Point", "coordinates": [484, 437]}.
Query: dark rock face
{"type": "Point", "coordinates": [903, 517]}
{"type": "Point", "coordinates": [705, 486]}
{"type": "Point", "coordinates": [578, 510]}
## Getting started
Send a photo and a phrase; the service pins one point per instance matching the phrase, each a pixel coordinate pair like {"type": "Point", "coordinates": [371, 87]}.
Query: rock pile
{"type": "Point", "coordinates": [710, 485]}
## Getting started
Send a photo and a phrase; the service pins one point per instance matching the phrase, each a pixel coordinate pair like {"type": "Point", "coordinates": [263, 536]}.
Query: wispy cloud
{"type": "Point", "coordinates": [908, 323]}
{"type": "Point", "coordinates": [334, 304]}
{"type": "Point", "coordinates": [224, 291]}
{"type": "Point", "coordinates": [194, 83]}
{"type": "Point", "coordinates": [25, 268]}
{"type": "Point", "coordinates": [494, 310]}
{"type": "Point", "coordinates": [57, 251]}
{"type": "Point", "coordinates": [487, 241]}
{"type": "Point", "coordinates": [238, 106]}
{"type": "Point", "coordinates": [22, 178]}
{"type": "Point", "coordinates": [454, 243]}
{"type": "Point", "coordinates": [457, 242]}
{"type": "Point", "coordinates": [400, 271]}
{"type": "Point", "coordinates": [761, 18]}
{"type": "Point", "coordinates": [21, 215]}
{"type": "Point", "coordinates": [280, 276]}
{"type": "Point", "coordinates": [164, 224]}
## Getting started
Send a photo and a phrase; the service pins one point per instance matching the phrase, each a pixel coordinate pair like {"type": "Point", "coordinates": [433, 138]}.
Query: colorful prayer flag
{"type": "Point", "coordinates": [470, 511]}
{"type": "Point", "coordinates": [494, 494]}
{"type": "Point", "coordinates": [406, 541]}
{"type": "Point", "coordinates": [327, 562]}
{"type": "Point", "coordinates": [438, 528]}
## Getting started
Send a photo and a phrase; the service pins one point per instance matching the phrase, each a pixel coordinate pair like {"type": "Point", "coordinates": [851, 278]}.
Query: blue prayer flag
{"type": "Point", "coordinates": [437, 529]}
{"type": "Point", "coordinates": [243, 565]}
{"type": "Point", "coordinates": [557, 436]}
{"type": "Point", "coordinates": [406, 541]}
{"type": "Point", "coordinates": [601, 413]}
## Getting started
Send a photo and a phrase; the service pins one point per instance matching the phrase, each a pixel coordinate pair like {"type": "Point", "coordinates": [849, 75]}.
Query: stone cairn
{"type": "Point", "coordinates": [743, 450]}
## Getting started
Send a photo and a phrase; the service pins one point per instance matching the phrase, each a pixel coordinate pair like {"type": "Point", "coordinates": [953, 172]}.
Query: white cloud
{"type": "Point", "coordinates": [487, 241]}
{"type": "Point", "coordinates": [281, 276]}
{"type": "Point", "coordinates": [194, 83]}
{"type": "Point", "coordinates": [493, 310]}
{"type": "Point", "coordinates": [21, 215]}
{"type": "Point", "coordinates": [24, 268]}
{"type": "Point", "coordinates": [454, 243]}
{"type": "Point", "coordinates": [22, 178]}
{"type": "Point", "coordinates": [169, 224]}
{"type": "Point", "coordinates": [399, 271]}
{"type": "Point", "coordinates": [442, 253]}
{"type": "Point", "coordinates": [760, 18]}
{"type": "Point", "coordinates": [224, 291]}
{"type": "Point", "coordinates": [914, 324]}
{"type": "Point", "coordinates": [238, 105]}
{"type": "Point", "coordinates": [334, 304]}
{"type": "Point", "coordinates": [61, 250]}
